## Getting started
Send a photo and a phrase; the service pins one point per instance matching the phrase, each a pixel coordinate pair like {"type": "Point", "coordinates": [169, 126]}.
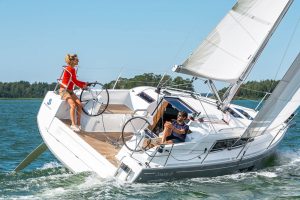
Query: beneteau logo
{"type": "Point", "coordinates": [48, 103]}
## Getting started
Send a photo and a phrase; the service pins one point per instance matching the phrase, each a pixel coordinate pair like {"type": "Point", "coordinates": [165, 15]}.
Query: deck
{"type": "Point", "coordinates": [118, 109]}
{"type": "Point", "coordinates": [101, 142]}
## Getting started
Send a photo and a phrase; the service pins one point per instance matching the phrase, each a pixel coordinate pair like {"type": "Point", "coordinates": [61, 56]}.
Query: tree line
{"type": "Point", "coordinates": [254, 89]}
{"type": "Point", "coordinates": [151, 79]}
{"type": "Point", "coordinates": [25, 89]}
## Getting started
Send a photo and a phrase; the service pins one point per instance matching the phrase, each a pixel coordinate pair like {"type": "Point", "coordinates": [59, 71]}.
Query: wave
{"type": "Point", "coordinates": [50, 165]}
{"type": "Point", "coordinates": [54, 181]}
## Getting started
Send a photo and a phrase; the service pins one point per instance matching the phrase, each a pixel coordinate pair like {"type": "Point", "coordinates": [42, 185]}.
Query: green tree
{"type": "Point", "coordinates": [23, 89]}
{"type": "Point", "coordinates": [254, 89]}
{"type": "Point", "coordinates": [150, 79]}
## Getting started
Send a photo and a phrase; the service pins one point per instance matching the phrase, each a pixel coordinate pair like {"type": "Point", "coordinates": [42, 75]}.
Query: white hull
{"type": "Point", "coordinates": [92, 150]}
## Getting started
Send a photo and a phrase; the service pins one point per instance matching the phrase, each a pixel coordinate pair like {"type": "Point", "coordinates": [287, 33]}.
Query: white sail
{"type": "Point", "coordinates": [234, 44]}
{"type": "Point", "coordinates": [283, 102]}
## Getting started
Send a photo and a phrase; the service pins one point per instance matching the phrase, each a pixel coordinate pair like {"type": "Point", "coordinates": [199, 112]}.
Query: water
{"type": "Point", "coordinates": [46, 178]}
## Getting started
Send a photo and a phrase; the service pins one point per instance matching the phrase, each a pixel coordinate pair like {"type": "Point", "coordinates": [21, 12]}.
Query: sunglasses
{"type": "Point", "coordinates": [74, 57]}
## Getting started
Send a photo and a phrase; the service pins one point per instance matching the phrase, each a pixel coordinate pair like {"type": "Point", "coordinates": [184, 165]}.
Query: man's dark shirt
{"type": "Point", "coordinates": [179, 127]}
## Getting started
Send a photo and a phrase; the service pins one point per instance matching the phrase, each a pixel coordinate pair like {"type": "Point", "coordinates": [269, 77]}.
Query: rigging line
{"type": "Point", "coordinates": [210, 121]}
{"type": "Point", "coordinates": [254, 100]}
{"type": "Point", "coordinates": [255, 90]}
{"type": "Point", "coordinates": [128, 81]}
{"type": "Point", "coordinates": [262, 133]}
{"type": "Point", "coordinates": [198, 156]}
{"type": "Point", "coordinates": [241, 98]}
{"type": "Point", "coordinates": [161, 79]}
{"type": "Point", "coordinates": [118, 69]}
{"type": "Point", "coordinates": [184, 42]}
{"type": "Point", "coordinates": [267, 127]}
{"type": "Point", "coordinates": [165, 83]}
{"type": "Point", "coordinates": [286, 49]}
{"type": "Point", "coordinates": [251, 142]}
{"type": "Point", "coordinates": [187, 85]}
{"type": "Point", "coordinates": [153, 156]}
{"type": "Point", "coordinates": [173, 60]}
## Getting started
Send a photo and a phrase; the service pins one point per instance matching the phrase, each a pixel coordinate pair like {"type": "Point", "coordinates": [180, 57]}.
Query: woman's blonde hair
{"type": "Point", "coordinates": [70, 57]}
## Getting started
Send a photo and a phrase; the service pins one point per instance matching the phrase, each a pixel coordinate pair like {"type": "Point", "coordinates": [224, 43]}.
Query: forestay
{"type": "Point", "coordinates": [280, 105]}
{"type": "Point", "coordinates": [234, 44]}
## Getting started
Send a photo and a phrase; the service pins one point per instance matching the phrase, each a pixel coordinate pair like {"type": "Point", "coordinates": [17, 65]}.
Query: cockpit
{"type": "Point", "coordinates": [167, 110]}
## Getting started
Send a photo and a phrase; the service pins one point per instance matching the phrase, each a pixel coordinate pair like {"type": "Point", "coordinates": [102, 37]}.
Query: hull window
{"type": "Point", "coordinates": [229, 144]}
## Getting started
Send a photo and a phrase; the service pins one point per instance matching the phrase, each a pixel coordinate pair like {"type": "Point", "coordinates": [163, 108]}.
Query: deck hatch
{"type": "Point", "coordinates": [145, 97]}
{"type": "Point", "coordinates": [179, 104]}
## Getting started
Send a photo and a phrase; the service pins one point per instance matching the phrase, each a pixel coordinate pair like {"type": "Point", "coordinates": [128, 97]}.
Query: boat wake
{"type": "Point", "coordinates": [50, 165]}
{"type": "Point", "coordinates": [52, 180]}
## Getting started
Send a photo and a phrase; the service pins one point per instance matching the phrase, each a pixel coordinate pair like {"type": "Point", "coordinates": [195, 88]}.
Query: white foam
{"type": "Point", "coordinates": [31, 197]}
{"type": "Point", "coordinates": [289, 159]}
{"type": "Point", "coordinates": [236, 177]}
{"type": "Point", "coordinates": [91, 181]}
{"type": "Point", "coordinates": [50, 165]}
{"type": "Point", "coordinates": [295, 160]}
{"type": "Point", "coordinates": [267, 174]}
{"type": "Point", "coordinates": [53, 193]}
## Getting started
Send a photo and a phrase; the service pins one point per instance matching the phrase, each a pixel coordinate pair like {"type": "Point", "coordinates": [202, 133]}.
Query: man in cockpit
{"type": "Point", "coordinates": [175, 132]}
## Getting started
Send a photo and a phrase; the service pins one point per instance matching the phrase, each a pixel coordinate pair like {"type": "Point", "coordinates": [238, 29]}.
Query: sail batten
{"type": "Point", "coordinates": [230, 48]}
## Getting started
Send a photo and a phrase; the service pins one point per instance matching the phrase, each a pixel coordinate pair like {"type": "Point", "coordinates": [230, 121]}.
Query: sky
{"type": "Point", "coordinates": [113, 37]}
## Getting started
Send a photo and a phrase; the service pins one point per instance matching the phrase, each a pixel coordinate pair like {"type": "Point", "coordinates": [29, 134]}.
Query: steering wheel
{"type": "Point", "coordinates": [95, 99]}
{"type": "Point", "coordinates": [133, 133]}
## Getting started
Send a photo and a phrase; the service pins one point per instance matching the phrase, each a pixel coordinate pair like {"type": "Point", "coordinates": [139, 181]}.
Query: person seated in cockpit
{"type": "Point", "coordinates": [175, 132]}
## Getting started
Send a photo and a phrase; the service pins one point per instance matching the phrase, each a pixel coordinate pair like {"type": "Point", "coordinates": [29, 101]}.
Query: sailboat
{"type": "Point", "coordinates": [121, 128]}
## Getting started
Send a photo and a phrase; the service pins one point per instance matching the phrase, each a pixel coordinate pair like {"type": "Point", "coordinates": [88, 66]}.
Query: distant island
{"type": "Point", "coordinates": [24, 89]}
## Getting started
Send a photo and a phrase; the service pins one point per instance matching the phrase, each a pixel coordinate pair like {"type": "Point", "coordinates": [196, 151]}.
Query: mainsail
{"type": "Point", "coordinates": [234, 44]}
{"type": "Point", "coordinates": [283, 102]}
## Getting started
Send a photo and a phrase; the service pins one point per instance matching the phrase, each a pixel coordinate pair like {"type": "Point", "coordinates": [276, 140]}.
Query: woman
{"type": "Point", "coordinates": [66, 89]}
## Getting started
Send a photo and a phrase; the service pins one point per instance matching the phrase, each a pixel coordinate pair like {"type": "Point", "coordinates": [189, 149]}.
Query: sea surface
{"type": "Point", "coordinates": [46, 178]}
